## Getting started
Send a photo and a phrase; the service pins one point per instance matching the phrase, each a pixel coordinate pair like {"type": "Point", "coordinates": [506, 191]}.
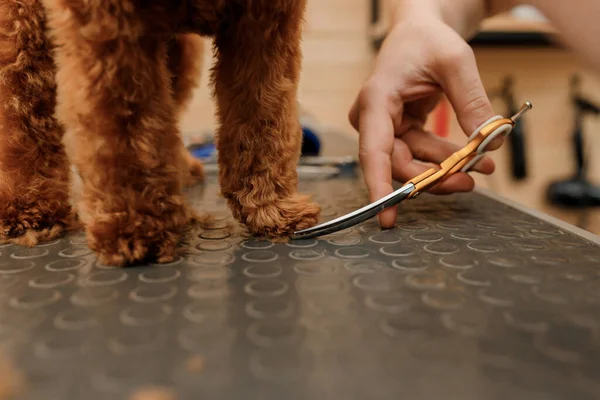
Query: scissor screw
{"type": "Point", "coordinates": [524, 108]}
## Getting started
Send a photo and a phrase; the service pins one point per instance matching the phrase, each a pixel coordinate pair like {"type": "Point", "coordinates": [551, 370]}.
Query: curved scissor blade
{"type": "Point", "coordinates": [357, 216]}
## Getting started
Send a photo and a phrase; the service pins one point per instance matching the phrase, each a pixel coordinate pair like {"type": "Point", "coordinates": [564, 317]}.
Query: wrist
{"type": "Point", "coordinates": [416, 10]}
{"type": "Point", "coordinates": [463, 16]}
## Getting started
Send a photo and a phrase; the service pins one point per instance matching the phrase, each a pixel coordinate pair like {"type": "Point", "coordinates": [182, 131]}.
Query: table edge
{"type": "Point", "coordinates": [541, 215]}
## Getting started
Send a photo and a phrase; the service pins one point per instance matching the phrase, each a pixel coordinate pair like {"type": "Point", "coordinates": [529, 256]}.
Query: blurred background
{"type": "Point", "coordinates": [551, 161]}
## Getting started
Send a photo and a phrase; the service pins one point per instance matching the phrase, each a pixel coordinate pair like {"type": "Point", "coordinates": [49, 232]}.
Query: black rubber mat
{"type": "Point", "coordinates": [468, 298]}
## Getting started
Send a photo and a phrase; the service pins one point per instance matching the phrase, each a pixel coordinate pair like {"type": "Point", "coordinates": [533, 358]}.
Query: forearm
{"type": "Point", "coordinates": [464, 16]}
{"type": "Point", "coordinates": [577, 24]}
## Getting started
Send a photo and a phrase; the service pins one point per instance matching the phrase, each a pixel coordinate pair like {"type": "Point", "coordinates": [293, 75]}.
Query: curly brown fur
{"type": "Point", "coordinates": [256, 79]}
{"type": "Point", "coordinates": [34, 170]}
{"type": "Point", "coordinates": [124, 74]}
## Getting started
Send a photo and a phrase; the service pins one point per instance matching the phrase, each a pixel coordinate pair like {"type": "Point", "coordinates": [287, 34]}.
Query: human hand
{"type": "Point", "coordinates": [417, 64]}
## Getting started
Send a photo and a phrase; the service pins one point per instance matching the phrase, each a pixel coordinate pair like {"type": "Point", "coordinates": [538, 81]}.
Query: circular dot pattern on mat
{"type": "Point", "coordinates": [461, 285]}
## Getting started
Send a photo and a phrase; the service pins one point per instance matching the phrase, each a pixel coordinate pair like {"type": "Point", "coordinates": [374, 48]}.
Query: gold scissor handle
{"type": "Point", "coordinates": [465, 158]}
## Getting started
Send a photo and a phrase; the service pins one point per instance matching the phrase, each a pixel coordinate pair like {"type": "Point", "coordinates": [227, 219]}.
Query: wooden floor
{"type": "Point", "coordinates": [338, 57]}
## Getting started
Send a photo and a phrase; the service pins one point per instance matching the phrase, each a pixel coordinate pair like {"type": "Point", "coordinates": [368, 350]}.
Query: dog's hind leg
{"type": "Point", "coordinates": [115, 99]}
{"type": "Point", "coordinates": [256, 80]}
{"type": "Point", "coordinates": [34, 170]}
{"type": "Point", "coordinates": [185, 52]}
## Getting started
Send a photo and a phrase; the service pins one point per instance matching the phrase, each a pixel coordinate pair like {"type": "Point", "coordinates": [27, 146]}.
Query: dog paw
{"type": "Point", "coordinates": [282, 218]}
{"type": "Point", "coordinates": [125, 238]}
{"type": "Point", "coordinates": [34, 224]}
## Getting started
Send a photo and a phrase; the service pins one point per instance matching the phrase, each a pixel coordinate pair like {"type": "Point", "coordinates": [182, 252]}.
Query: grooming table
{"type": "Point", "coordinates": [470, 297]}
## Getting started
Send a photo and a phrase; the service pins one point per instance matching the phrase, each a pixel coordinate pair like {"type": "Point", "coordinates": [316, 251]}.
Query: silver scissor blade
{"type": "Point", "coordinates": [357, 216]}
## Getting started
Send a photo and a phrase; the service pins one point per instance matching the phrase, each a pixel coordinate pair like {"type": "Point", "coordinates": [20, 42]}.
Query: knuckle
{"type": "Point", "coordinates": [376, 90]}
{"type": "Point", "coordinates": [477, 102]}
{"type": "Point", "coordinates": [363, 155]}
{"type": "Point", "coordinates": [374, 93]}
{"type": "Point", "coordinates": [454, 56]}
{"type": "Point", "coordinates": [353, 116]}
{"type": "Point", "coordinates": [366, 157]}
{"type": "Point", "coordinates": [420, 153]}
{"type": "Point", "coordinates": [370, 89]}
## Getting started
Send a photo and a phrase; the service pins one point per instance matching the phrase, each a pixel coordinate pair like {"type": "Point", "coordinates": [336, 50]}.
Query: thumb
{"type": "Point", "coordinates": [456, 71]}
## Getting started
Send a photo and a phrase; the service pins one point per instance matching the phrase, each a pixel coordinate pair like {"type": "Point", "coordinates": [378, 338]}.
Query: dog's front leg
{"type": "Point", "coordinates": [115, 100]}
{"type": "Point", "coordinates": [34, 170]}
{"type": "Point", "coordinates": [259, 139]}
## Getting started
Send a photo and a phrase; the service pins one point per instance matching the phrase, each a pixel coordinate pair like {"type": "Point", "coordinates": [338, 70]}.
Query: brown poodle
{"type": "Point", "coordinates": [101, 84]}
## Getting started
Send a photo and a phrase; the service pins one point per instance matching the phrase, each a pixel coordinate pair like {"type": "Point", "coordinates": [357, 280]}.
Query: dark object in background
{"type": "Point", "coordinates": [311, 145]}
{"type": "Point", "coordinates": [577, 191]}
{"type": "Point", "coordinates": [516, 139]}
{"type": "Point", "coordinates": [205, 149]}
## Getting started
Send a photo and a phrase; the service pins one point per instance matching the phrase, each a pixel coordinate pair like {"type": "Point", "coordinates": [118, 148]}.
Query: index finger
{"type": "Point", "coordinates": [376, 143]}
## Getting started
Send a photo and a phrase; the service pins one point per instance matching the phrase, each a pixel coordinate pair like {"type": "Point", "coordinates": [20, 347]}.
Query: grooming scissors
{"type": "Point", "coordinates": [462, 160]}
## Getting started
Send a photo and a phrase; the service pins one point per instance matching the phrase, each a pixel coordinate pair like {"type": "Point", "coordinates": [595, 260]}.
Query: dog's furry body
{"type": "Point", "coordinates": [100, 84]}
